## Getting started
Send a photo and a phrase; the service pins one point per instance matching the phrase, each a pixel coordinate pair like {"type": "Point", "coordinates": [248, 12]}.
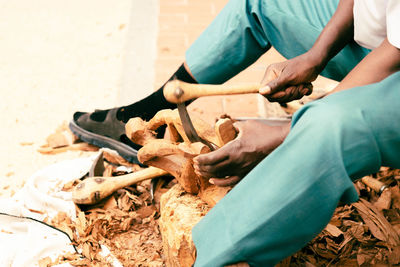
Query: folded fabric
{"type": "Point", "coordinates": [24, 239]}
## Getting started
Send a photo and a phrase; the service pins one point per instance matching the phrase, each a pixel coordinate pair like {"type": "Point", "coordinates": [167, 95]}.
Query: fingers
{"type": "Point", "coordinates": [220, 169]}
{"type": "Point", "coordinates": [291, 93]}
{"type": "Point", "coordinates": [211, 158]}
{"type": "Point", "coordinates": [309, 89]}
{"type": "Point", "coordinates": [218, 163]}
{"type": "Point", "coordinates": [282, 84]}
{"type": "Point", "coordinates": [210, 164]}
{"type": "Point", "coordinates": [225, 181]}
{"type": "Point", "coordinates": [222, 154]}
{"type": "Point", "coordinates": [275, 85]}
{"type": "Point", "coordinates": [271, 74]}
{"type": "Point", "coordinates": [273, 79]}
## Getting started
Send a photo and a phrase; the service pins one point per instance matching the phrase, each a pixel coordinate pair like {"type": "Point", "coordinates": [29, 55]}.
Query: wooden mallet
{"type": "Point", "coordinates": [93, 189]}
{"type": "Point", "coordinates": [176, 91]}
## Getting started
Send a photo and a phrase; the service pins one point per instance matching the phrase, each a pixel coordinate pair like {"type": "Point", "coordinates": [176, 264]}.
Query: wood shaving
{"type": "Point", "coordinates": [63, 140]}
{"type": "Point", "coordinates": [112, 157]}
{"type": "Point", "coordinates": [126, 223]}
{"type": "Point", "coordinates": [61, 137]}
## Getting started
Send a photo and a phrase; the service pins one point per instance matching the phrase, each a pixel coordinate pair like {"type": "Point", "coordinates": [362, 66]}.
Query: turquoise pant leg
{"type": "Point", "coordinates": [246, 29]}
{"type": "Point", "coordinates": [291, 195]}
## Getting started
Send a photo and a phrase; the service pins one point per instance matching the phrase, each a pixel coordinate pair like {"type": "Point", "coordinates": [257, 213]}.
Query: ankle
{"type": "Point", "coordinates": [185, 65]}
{"type": "Point", "coordinates": [149, 106]}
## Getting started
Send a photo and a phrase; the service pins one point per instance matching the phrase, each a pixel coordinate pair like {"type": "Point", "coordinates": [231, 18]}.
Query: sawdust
{"type": "Point", "coordinates": [126, 223]}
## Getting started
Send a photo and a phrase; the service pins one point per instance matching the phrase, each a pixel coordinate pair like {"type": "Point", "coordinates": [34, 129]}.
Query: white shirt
{"type": "Point", "coordinates": [374, 20]}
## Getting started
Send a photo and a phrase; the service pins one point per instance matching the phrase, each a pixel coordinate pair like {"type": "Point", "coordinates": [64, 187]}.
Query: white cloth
{"type": "Point", "coordinates": [23, 242]}
{"type": "Point", "coordinates": [374, 20]}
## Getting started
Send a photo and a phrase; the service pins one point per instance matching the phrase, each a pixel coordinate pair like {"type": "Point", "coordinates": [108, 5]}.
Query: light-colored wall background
{"type": "Point", "coordinates": [139, 52]}
{"type": "Point", "coordinates": [60, 56]}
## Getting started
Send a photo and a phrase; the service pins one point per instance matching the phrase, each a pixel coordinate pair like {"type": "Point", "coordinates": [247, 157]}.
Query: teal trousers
{"type": "Point", "coordinates": [289, 197]}
{"type": "Point", "coordinates": [245, 29]}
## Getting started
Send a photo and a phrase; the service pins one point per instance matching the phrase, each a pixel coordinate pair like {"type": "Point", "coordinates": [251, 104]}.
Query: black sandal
{"type": "Point", "coordinates": [105, 132]}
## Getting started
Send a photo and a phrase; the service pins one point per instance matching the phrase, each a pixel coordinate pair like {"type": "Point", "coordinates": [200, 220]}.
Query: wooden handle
{"type": "Point", "coordinates": [374, 184]}
{"type": "Point", "coordinates": [93, 189]}
{"type": "Point", "coordinates": [179, 92]}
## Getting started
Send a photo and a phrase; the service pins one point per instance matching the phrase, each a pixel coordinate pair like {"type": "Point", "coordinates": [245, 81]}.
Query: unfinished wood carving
{"type": "Point", "coordinates": [173, 158]}
{"type": "Point", "coordinates": [170, 118]}
{"type": "Point", "coordinates": [177, 158]}
{"type": "Point", "coordinates": [138, 130]}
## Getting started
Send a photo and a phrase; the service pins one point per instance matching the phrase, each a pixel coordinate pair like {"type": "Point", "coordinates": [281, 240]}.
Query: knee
{"type": "Point", "coordinates": [255, 7]}
{"type": "Point", "coordinates": [340, 132]}
{"type": "Point", "coordinates": [253, 2]}
{"type": "Point", "coordinates": [247, 6]}
{"type": "Point", "coordinates": [242, 11]}
{"type": "Point", "coordinates": [328, 116]}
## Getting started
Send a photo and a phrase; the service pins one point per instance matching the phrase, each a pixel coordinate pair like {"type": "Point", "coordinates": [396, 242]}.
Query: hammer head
{"type": "Point", "coordinates": [173, 92]}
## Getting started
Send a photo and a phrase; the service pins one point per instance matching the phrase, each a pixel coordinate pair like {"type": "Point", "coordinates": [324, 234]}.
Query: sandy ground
{"type": "Point", "coordinates": [61, 56]}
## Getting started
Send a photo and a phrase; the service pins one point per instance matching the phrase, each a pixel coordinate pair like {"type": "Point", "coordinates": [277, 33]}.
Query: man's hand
{"type": "Point", "coordinates": [229, 164]}
{"type": "Point", "coordinates": [291, 79]}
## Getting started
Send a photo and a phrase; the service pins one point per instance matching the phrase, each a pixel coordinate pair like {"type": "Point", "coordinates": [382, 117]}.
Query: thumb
{"type": "Point", "coordinates": [232, 180]}
{"type": "Point", "coordinates": [238, 125]}
{"type": "Point", "coordinates": [274, 86]}
{"type": "Point", "coordinates": [211, 158]}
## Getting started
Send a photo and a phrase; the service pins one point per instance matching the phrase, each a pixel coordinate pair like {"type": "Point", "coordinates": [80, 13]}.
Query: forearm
{"type": "Point", "coordinates": [289, 80]}
{"type": "Point", "coordinates": [376, 66]}
{"type": "Point", "coordinates": [335, 36]}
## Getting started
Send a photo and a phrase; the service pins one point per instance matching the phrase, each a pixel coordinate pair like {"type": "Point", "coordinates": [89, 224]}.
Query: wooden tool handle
{"type": "Point", "coordinates": [178, 92]}
{"type": "Point", "coordinates": [374, 184]}
{"type": "Point", "coordinates": [93, 189]}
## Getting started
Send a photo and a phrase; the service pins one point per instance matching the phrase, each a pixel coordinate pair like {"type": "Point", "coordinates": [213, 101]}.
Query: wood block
{"type": "Point", "coordinates": [180, 212]}
{"type": "Point", "coordinates": [225, 131]}
{"type": "Point", "coordinates": [212, 194]}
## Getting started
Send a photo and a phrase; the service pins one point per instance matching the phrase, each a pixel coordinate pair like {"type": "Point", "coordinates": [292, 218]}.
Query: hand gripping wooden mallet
{"type": "Point", "coordinates": [176, 91]}
{"type": "Point", "coordinates": [93, 189]}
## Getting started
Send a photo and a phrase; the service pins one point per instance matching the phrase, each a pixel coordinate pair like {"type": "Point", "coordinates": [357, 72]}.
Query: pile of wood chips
{"type": "Point", "coordinates": [126, 223]}
{"type": "Point", "coordinates": [365, 233]}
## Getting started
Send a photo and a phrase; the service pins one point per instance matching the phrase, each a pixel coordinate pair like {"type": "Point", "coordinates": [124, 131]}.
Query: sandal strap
{"type": "Point", "coordinates": [110, 127]}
